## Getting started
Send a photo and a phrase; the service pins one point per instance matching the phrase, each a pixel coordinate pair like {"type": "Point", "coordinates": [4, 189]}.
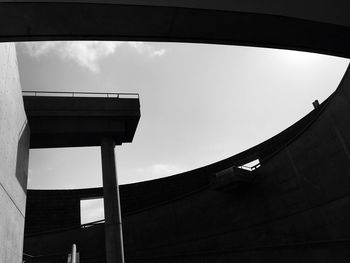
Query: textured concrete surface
{"type": "Point", "coordinates": [12, 129]}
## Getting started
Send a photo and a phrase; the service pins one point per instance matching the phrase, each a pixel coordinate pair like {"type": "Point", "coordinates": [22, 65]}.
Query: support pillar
{"type": "Point", "coordinates": [113, 222]}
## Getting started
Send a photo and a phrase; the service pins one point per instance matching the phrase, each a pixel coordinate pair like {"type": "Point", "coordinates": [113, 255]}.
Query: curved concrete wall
{"type": "Point", "coordinates": [297, 209]}
{"type": "Point", "coordinates": [14, 150]}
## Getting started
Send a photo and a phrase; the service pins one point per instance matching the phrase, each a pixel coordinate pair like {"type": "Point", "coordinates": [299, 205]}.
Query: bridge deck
{"type": "Point", "coordinates": [61, 121]}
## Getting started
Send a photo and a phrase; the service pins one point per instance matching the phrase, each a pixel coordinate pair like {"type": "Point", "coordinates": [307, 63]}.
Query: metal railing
{"type": "Point", "coordinates": [61, 257]}
{"type": "Point", "coordinates": [92, 223]}
{"type": "Point", "coordinates": [64, 229]}
{"type": "Point", "coordinates": [117, 95]}
{"type": "Point", "coordinates": [73, 257]}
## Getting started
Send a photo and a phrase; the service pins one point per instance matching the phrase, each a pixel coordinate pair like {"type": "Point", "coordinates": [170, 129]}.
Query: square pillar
{"type": "Point", "coordinates": [113, 221]}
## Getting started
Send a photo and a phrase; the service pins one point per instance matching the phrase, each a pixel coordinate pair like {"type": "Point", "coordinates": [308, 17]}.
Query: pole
{"type": "Point", "coordinates": [113, 222]}
{"type": "Point", "coordinates": [74, 254]}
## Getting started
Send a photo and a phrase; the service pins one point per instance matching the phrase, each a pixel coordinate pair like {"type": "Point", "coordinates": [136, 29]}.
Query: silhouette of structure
{"type": "Point", "coordinates": [294, 207]}
{"type": "Point", "coordinates": [85, 121]}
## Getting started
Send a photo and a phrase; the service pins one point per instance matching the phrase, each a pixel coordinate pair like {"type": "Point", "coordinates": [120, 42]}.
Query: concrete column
{"type": "Point", "coordinates": [113, 221]}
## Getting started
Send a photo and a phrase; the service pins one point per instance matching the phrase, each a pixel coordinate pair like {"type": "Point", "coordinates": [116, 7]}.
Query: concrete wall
{"type": "Point", "coordinates": [14, 150]}
{"type": "Point", "coordinates": [298, 209]}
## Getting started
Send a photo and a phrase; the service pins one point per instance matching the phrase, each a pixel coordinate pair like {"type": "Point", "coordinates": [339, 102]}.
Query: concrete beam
{"type": "Point", "coordinates": [80, 121]}
{"type": "Point", "coordinates": [323, 27]}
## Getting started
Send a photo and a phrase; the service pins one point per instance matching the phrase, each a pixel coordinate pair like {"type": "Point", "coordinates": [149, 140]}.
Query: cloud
{"type": "Point", "coordinates": [151, 172]}
{"type": "Point", "coordinates": [141, 48]}
{"type": "Point", "coordinates": [86, 53]}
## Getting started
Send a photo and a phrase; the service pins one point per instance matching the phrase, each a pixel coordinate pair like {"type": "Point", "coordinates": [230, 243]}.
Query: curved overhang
{"type": "Point", "coordinates": [318, 26]}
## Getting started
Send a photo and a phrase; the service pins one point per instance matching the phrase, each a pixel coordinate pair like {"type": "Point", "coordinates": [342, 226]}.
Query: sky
{"type": "Point", "coordinates": [200, 103]}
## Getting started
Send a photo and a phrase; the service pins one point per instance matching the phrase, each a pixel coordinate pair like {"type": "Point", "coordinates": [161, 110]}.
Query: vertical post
{"type": "Point", "coordinates": [113, 222]}
{"type": "Point", "coordinates": [74, 254]}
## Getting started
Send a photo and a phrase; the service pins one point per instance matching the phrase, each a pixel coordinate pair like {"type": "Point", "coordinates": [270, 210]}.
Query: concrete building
{"type": "Point", "coordinates": [294, 207]}
{"type": "Point", "coordinates": [14, 153]}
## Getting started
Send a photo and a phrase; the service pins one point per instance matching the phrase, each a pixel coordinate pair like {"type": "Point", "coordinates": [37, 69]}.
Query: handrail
{"type": "Point", "coordinates": [28, 255]}
{"type": "Point", "coordinates": [73, 257]}
{"type": "Point", "coordinates": [92, 223]}
{"type": "Point", "coordinates": [81, 94]}
{"type": "Point", "coordinates": [29, 258]}
{"type": "Point", "coordinates": [63, 229]}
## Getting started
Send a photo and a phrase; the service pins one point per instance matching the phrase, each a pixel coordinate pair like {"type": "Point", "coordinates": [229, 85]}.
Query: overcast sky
{"type": "Point", "coordinates": [199, 103]}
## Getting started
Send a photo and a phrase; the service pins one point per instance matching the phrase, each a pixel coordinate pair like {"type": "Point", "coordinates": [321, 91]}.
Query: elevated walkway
{"type": "Point", "coordinates": [74, 119]}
